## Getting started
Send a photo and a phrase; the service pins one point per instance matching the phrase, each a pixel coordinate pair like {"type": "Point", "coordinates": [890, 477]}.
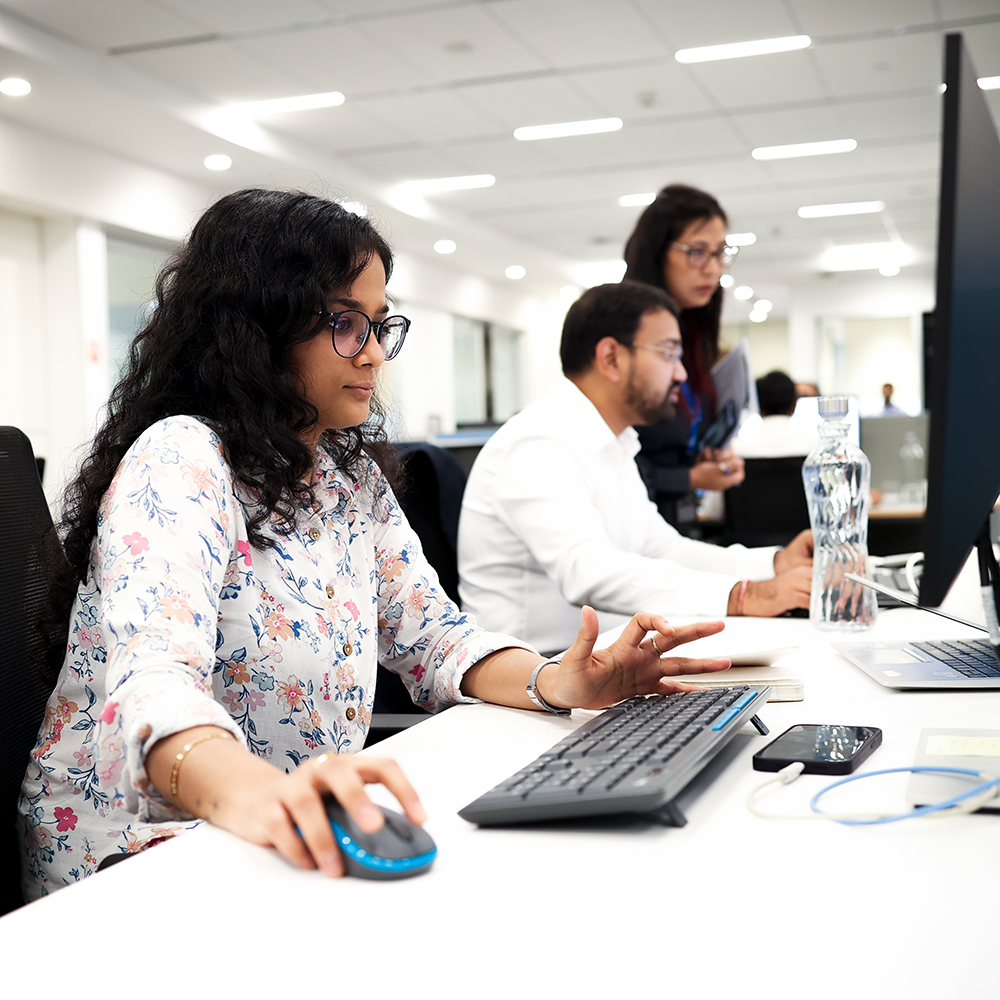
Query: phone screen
{"type": "Point", "coordinates": [818, 743]}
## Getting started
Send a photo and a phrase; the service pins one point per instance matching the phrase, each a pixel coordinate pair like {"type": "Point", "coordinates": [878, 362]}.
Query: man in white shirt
{"type": "Point", "coordinates": [778, 434]}
{"type": "Point", "coordinates": [555, 514]}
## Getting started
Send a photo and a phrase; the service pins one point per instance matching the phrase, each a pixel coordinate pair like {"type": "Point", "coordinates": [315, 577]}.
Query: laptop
{"type": "Point", "coordinates": [936, 664]}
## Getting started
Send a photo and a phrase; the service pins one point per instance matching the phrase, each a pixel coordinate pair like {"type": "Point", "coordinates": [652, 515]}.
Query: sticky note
{"type": "Point", "coordinates": [945, 745]}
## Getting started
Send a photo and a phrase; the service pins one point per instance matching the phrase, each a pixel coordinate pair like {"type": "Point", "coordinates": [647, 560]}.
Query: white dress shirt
{"type": "Point", "coordinates": [555, 516]}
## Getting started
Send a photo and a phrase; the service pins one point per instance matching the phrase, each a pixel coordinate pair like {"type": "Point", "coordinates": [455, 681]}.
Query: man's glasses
{"type": "Point", "coordinates": [671, 354]}
{"type": "Point", "coordinates": [352, 328]}
{"type": "Point", "coordinates": [699, 256]}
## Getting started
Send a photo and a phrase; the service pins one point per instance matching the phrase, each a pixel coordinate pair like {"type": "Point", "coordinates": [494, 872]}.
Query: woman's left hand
{"type": "Point", "coordinates": [589, 678]}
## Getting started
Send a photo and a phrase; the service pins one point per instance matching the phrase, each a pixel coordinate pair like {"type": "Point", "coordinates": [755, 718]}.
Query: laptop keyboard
{"type": "Point", "coordinates": [970, 657]}
{"type": "Point", "coordinates": [635, 757]}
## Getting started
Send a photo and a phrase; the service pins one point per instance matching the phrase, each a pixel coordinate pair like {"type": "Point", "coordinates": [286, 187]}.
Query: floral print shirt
{"type": "Point", "coordinates": [181, 623]}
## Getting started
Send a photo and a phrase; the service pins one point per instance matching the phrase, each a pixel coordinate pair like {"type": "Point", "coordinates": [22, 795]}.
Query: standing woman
{"type": "Point", "coordinates": [238, 565]}
{"type": "Point", "coordinates": [679, 245]}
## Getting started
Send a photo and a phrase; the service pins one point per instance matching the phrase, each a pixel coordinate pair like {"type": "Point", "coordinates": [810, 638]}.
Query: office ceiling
{"type": "Point", "coordinates": [435, 89]}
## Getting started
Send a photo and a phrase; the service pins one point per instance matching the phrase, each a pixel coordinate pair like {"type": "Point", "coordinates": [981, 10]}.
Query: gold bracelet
{"type": "Point", "coordinates": [184, 751]}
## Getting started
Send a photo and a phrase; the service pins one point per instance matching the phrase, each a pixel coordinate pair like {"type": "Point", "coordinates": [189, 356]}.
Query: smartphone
{"type": "Point", "coordinates": [823, 749]}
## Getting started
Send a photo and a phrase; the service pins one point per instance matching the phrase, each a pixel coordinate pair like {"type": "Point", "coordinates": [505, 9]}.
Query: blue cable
{"type": "Point", "coordinates": [919, 810]}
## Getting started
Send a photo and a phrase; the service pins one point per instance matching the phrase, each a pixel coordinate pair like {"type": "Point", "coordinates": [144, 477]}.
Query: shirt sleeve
{"type": "Point", "coordinates": [547, 497]}
{"type": "Point", "coordinates": [164, 538]}
{"type": "Point", "coordinates": [423, 636]}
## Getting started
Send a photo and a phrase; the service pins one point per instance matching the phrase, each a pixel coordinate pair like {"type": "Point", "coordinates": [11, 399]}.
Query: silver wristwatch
{"type": "Point", "coordinates": [536, 698]}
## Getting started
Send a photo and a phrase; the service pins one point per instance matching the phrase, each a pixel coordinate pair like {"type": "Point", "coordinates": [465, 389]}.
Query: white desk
{"type": "Point", "coordinates": [730, 905]}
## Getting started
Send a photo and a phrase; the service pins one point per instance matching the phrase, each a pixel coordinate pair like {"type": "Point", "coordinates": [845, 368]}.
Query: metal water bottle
{"type": "Point", "coordinates": [837, 477]}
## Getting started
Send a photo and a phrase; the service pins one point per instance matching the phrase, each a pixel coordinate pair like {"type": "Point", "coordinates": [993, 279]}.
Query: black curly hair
{"type": "Point", "coordinates": [229, 304]}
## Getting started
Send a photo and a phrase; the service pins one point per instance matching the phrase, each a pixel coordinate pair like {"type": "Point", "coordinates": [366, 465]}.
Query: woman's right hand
{"type": "Point", "coordinates": [234, 789]}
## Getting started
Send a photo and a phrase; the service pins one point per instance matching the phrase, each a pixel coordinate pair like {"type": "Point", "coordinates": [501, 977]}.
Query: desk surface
{"type": "Point", "coordinates": [730, 905]}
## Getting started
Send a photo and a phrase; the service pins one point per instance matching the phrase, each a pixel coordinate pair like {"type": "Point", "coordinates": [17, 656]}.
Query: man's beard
{"type": "Point", "coordinates": [650, 411]}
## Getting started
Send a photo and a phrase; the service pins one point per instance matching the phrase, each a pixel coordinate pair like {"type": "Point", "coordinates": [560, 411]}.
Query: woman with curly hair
{"type": "Point", "coordinates": [238, 564]}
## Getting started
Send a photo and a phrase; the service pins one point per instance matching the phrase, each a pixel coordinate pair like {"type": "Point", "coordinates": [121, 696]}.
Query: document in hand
{"type": "Point", "coordinates": [734, 392]}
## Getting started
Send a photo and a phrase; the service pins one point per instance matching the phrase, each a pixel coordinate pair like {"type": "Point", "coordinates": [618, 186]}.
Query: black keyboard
{"type": "Point", "coordinates": [970, 657]}
{"type": "Point", "coordinates": [635, 757]}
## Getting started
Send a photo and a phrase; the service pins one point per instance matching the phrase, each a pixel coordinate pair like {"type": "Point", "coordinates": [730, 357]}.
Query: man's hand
{"type": "Point", "coordinates": [718, 473]}
{"type": "Point", "coordinates": [767, 598]}
{"type": "Point", "coordinates": [798, 552]}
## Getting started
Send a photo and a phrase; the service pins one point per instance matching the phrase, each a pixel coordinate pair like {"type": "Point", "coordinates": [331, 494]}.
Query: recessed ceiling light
{"type": "Point", "coordinates": [804, 149]}
{"type": "Point", "coordinates": [435, 185]}
{"type": "Point", "coordinates": [844, 208]}
{"type": "Point", "coordinates": [282, 105]}
{"type": "Point", "coordinates": [889, 270]}
{"type": "Point", "coordinates": [756, 316]}
{"type": "Point", "coordinates": [737, 50]}
{"type": "Point", "coordinates": [866, 256]}
{"type": "Point", "coordinates": [529, 132]}
{"type": "Point", "coordinates": [355, 208]}
{"type": "Point", "coordinates": [637, 200]}
{"type": "Point", "coordinates": [570, 292]}
{"type": "Point", "coordinates": [14, 86]}
{"type": "Point", "coordinates": [740, 239]}
{"type": "Point", "coordinates": [726, 281]}
{"type": "Point", "coordinates": [445, 246]}
{"type": "Point", "coordinates": [515, 272]}
{"type": "Point", "coordinates": [743, 292]}
{"type": "Point", "coordinates": [763, 305]}
{"type": "Point", "coordinates": [218, 161]}
{"type": "Point", "coordinates": [989, 82]}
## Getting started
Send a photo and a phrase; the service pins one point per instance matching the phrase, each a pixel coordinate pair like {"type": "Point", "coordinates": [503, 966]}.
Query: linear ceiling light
{"type": "Point", "coordinates": [14, 86]}
{"type": "Point", "coordinates": [530, 132]}
{"type": "Point", "coordinates": [804, 149]}
{"type": "Point", "coordinates": [737, 50]}
{"type": "Point", "coordinates": [866, 256]}
{"type": "Point", "coordinates": [281, 105]}
{"type": "Point", "coordinates": [989, 82]}
{"type": "Point", "coordinates": [845, 208]}
{"type": "Point", "coordinates": [434, 185]}
{"type": "Point", "coordinates": [637, 200]}
{"type": "Point", "coordinates": [740, 239]}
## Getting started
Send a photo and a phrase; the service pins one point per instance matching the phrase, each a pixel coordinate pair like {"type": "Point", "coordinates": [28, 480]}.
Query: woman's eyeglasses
{"type": "Point", "coordinates": [352, 328]}
{"type": "Point", "coordinates": [699, 256]}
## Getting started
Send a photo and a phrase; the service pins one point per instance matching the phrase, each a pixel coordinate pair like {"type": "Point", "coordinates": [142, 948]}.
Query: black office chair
{"type": "Point", "coordinates": [29, 555]}
{"type": "Point", "coordinates": [432, 502]}
{"type": "Point", "coordinates": [769, 506]}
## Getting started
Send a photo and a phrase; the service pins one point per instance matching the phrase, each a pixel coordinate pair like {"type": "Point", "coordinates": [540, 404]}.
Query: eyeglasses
{"type": "Point", "coordinates": [671, 354]}
{"type": "Point", "coordinates": [698, 256]}
{"type": "Point", "coordinates": [352, 328]}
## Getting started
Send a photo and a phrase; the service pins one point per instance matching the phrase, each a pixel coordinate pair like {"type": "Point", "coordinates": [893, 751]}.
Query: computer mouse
{"type": "Point", "coordinates": [399, 849]}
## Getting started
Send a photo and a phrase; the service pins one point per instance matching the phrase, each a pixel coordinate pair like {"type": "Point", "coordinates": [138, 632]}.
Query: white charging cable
{"type": "Point", "coordinates": [958, 805]}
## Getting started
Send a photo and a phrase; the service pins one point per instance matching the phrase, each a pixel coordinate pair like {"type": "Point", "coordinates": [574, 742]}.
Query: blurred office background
{"type": "Point", "coordinates": [135, 104]}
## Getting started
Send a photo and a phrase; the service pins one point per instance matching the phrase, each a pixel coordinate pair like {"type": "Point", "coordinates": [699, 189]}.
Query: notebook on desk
{"type": "Point", "coordinates": [755, 669]}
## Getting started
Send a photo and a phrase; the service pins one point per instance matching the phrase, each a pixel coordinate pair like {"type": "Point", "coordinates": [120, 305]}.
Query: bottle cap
{"type": "Point", "coordinates": [832, 407]}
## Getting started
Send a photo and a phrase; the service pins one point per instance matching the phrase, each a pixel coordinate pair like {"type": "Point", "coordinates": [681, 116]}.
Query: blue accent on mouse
{"type": "Point", "coordinates": [399, 849]}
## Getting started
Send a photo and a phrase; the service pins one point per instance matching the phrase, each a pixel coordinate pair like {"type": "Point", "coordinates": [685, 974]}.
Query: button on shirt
{"type": "Point", "coordinates": [555, 515]}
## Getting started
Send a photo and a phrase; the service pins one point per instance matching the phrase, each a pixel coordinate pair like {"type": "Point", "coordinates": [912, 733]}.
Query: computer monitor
{"type": "Point", "coordinates": [963, 461]}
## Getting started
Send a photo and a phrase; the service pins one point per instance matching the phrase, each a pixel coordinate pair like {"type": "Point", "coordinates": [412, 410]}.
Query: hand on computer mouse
{"type": "Point", "coordinates": [398, 849]}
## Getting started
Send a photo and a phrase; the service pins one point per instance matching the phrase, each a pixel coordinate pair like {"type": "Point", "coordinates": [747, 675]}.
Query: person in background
{"type": "Point", "coordinates": [555, 513]}
{"type": "Point", "coordinates": [679, 245]}
{"type": "Point", "coordinates": [238, 565]}
{"type": "Point", "coordinates": [889, 408]}
{"type": "Point", "coordinates": [776, 435]}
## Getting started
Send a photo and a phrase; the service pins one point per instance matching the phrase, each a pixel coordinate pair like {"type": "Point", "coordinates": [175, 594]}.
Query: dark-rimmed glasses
{"type": "Point", "coordinates": [351, 329]}
{"type": "Point", "coordinates": [699, 256]}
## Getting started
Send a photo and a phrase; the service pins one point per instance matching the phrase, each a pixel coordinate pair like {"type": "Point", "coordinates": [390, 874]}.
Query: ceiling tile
{"type": "Point", "coordinates": [217, 72]}
{"type": "Point", "coordinates": [457, 43]}
{"type": "Point", "coordinates": [686, 25]}
{"type": "Point", "coordinates": [881, 66]}
{"type": "Point", "coordinates": [642, 91]}
{"type": "Point", "coordinates": [246, 15]}
{"type": "Point", "coordinates": [579, 35]}
{"type": "Point", "coordinates": [853, 17]}
{"type": "Point", "coordinates": [769, 79]}
{"type": "Point", "coordinates": [105, 24]}
{"type": "Point", "coordinates": [533, 102]}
